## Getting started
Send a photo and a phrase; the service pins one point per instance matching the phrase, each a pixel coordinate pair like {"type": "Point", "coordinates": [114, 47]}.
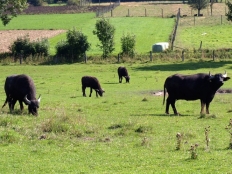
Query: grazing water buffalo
{"type": "Point", "coordinates": [93, 83]}
{"type": "Point", "coordinates": [192, 87]}
{"type": "Point", "coordinates": [122, 72]}
{"type": "Point", "coordinates": [21, 88]}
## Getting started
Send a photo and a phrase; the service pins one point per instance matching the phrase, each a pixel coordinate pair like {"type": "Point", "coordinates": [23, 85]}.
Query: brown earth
{"type": "Point", "coordinates": [9, 36]}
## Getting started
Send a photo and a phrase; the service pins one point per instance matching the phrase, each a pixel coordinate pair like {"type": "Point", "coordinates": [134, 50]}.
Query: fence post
{"type": "Point", "coordinates": [194, 20]}
{"type": "Point", "coordinates": [213, 56]}
{"type": "Point", "coordinates": [21, 57]}
{"type": "Point", "coordinates": [118, 58]}
{"type": "Point", "coordinates": [182, 55]}
{"type": "Point", "coordinates": [162, 12]}
{"type": "Point", "coordinates": [145, 12]}
{"type": "Point", "coordinates": [85, 58]}
{"type": "Point", "coordinates": [221, 19]}
{"type": "Point", "coordinates": [128, 12]}
{"type": "Point", "coordinates": [200, 45]}
{"type": "Point", "coordinates": [151, 56]}
{"type": "Point", "coordinates": [111, 13]}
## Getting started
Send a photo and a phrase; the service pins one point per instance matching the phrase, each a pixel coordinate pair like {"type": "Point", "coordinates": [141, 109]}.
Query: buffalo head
{"type": "Point", "coordinates": [219, 78]}
{"type": "Point", "coordinates": [33, 105]}
{"type": "Point", "coordinates": [127, 79]}
{"type": "Point", "coordinates": [100, 92]}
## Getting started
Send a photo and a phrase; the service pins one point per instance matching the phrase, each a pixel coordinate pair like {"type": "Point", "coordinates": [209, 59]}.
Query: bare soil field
{"type": "Point", "coordinates": [9, 36]}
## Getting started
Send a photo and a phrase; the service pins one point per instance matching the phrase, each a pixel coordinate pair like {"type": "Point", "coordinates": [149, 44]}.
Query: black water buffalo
{"type": "Point", "coordinates": [93, 83]}
{"type": "Point", "coordinates": [21, 88]}
{"type": "Point", "coordinates": [122, 72]}
{"type": "Point", "coordinates": [192, 87]}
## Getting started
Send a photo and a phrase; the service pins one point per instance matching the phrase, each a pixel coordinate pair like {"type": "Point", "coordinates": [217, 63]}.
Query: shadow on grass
{"type": "Point", "coordinates": [185, 66]}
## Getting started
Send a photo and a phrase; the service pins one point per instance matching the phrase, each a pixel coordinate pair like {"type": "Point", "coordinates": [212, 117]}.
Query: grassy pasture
{"type": "Point", "coordinates": [146, 29]}
{"type": "Point", "coordinates": [125, 131]}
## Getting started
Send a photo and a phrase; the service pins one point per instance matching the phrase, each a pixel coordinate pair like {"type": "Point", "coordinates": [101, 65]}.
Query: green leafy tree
{"type": "Point", "coordinates": [198, 5]}
{"type": "Point", "coordinates": [75, 46]}
{"type": "Point", "coordinates": [128, 44]}
{"type": "Point", "coordinates": [10, 9]}
{"type": "Point", "coordinates": [105, 33]}
{"type": "Point", "coordinates": [229, 14]}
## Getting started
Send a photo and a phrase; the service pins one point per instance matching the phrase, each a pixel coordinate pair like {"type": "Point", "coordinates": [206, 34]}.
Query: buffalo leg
{"type": "Point", "coordinates": [207, 108]}
{"type": "Point", "coordinates": [12, 104]}
{"type": "Point", "coordinates": [172, 102]}
{"type": "Point", "coordinates": [202, 107]}
{"type": "Point", "coordinates": [96, 93]}
{"type": "Point", "coordinates": [21, 105]}
{"type": "Point", "coordinates": [120, 79]}
{"type": "Point", "coordinates": [83, 90]}
{"type": "Point", "coordinates": [91, 90]}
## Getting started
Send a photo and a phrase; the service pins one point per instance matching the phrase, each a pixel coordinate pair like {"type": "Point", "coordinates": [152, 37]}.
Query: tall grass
{"type": "Point", "coordinates": [125, 131]}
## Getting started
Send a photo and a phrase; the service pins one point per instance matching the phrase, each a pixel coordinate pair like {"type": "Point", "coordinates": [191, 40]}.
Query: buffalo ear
{"type": "Point", "coordinates": [227, 78]}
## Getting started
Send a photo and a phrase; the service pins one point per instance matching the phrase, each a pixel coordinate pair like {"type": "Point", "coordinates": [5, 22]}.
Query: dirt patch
{"type": "Point", "coordinates": [9, 36]}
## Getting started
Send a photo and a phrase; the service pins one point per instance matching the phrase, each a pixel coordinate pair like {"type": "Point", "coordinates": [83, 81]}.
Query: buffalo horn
{"type": "Point", "coordinates": [26, 100]}
{"type": "Point", "coordinates": [225, 74]}
{"type": "Point", "coordinates": [39, 98]}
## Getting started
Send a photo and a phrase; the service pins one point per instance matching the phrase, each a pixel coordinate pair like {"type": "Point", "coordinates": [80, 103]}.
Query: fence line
{"type": "Point", "coordinates": [107, 9]}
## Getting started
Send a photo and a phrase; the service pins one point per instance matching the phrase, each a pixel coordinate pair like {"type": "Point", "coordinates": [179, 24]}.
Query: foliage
{"type": "Point", "coordinates": [73, 2]}
{"type": "Point", "coordinates": [22, 47]}
{"type": "Point", "coordinates": [105, 33]}
{"type": "Point", "coordinates": [198, 5]}
{"type": "Point", "coordinates": [229, 14]}
{"type": "Point", "coordinates": [35, 2]}
{"type": "Point", "coordinates": [10, 9]}
{"type": "Point", "coordinates": [128, 44]}
{"type": "Point", "coordinates": [75, 47]}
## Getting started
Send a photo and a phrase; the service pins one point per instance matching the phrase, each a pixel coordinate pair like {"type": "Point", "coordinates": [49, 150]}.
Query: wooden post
{"type": "Point", "coordinates": [111, 13]}
{"type": "Point", "coordinates": [21, 57]}
{"type": "Point", "coordinates": [118, 58]}
{"type": "Point", "coordinates": [213, 56]}
{"type": "Point", "coordinates": [128, 12]}
{"type": "Point", "coordinates": [145, 12]}
{"type": "Point", "coordinates": [85, 58]}
{"type": "Point", "coordinates": [151, 56]}
{"type": "Point", "coordinates": [200, 45]}
{"type": "Point", "coordinates": [221, 19]}
{"type": "Point", "coordinates": [194, 20]}
{"type": "Point", "coordinates": [182, 55]}
{"type": "Point", "coordinates": [162, 12]}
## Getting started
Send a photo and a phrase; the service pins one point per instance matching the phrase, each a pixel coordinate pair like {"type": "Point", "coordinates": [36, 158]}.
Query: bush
{"type": "Point", "coordinates": [128, 45]}
{"type": "Point", "coordinates": [105, 33]}
{"type": "Point", "coordinates": [75, 47]}
{"type": "Point", "coordinates": [22, 47]}
{"type": "Point", "coordinates": [73, 2]}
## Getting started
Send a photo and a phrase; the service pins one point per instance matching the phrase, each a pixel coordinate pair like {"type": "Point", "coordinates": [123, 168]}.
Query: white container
{"type": "Point", "coordinates": [160, 47]}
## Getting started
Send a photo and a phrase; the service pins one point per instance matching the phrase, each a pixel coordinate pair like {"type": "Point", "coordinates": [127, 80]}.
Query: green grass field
{"type": "Point", "coordinates": [147, 30]}
{"type": "Point", "coordinates": [125, 131]}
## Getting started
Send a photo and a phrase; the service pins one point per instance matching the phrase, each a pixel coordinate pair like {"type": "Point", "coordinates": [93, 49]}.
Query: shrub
{"type": "Point", "coordinates": [22, 47]}
{"type": "Point", "coordinates": [105, 33]}
{"type": "Point", "coordinates": [73, 2]}
{"type": "Point", "coordinates": [75, 46]}
{"type": "Point", "coordinates": [128, 45]}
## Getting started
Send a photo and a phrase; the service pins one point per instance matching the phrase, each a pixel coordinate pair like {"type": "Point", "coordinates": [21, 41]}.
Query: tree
{"type": "Point", "coordinates": [10, 9]}
{"type": "Point", "coordinates": [198, 5]}
{"type": "Point", "coordinates": [128, 44]}
{"type": "Point", "coordinates": [75, 46]}
{"type": "Point", "coordinates": [105, 33]}
{"type": "Point", "coordinates": [229, 14]}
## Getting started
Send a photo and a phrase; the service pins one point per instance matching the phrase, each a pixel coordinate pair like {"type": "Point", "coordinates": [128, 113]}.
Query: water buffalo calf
{"type": "Point", "coordinates": [93, 83]}
{"type": "Point", "coordinates": [192, 87]}
{"type": "Point", "coordinates": [21, 88]}
{"type": "Point", "coordinates": [122, 72]}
